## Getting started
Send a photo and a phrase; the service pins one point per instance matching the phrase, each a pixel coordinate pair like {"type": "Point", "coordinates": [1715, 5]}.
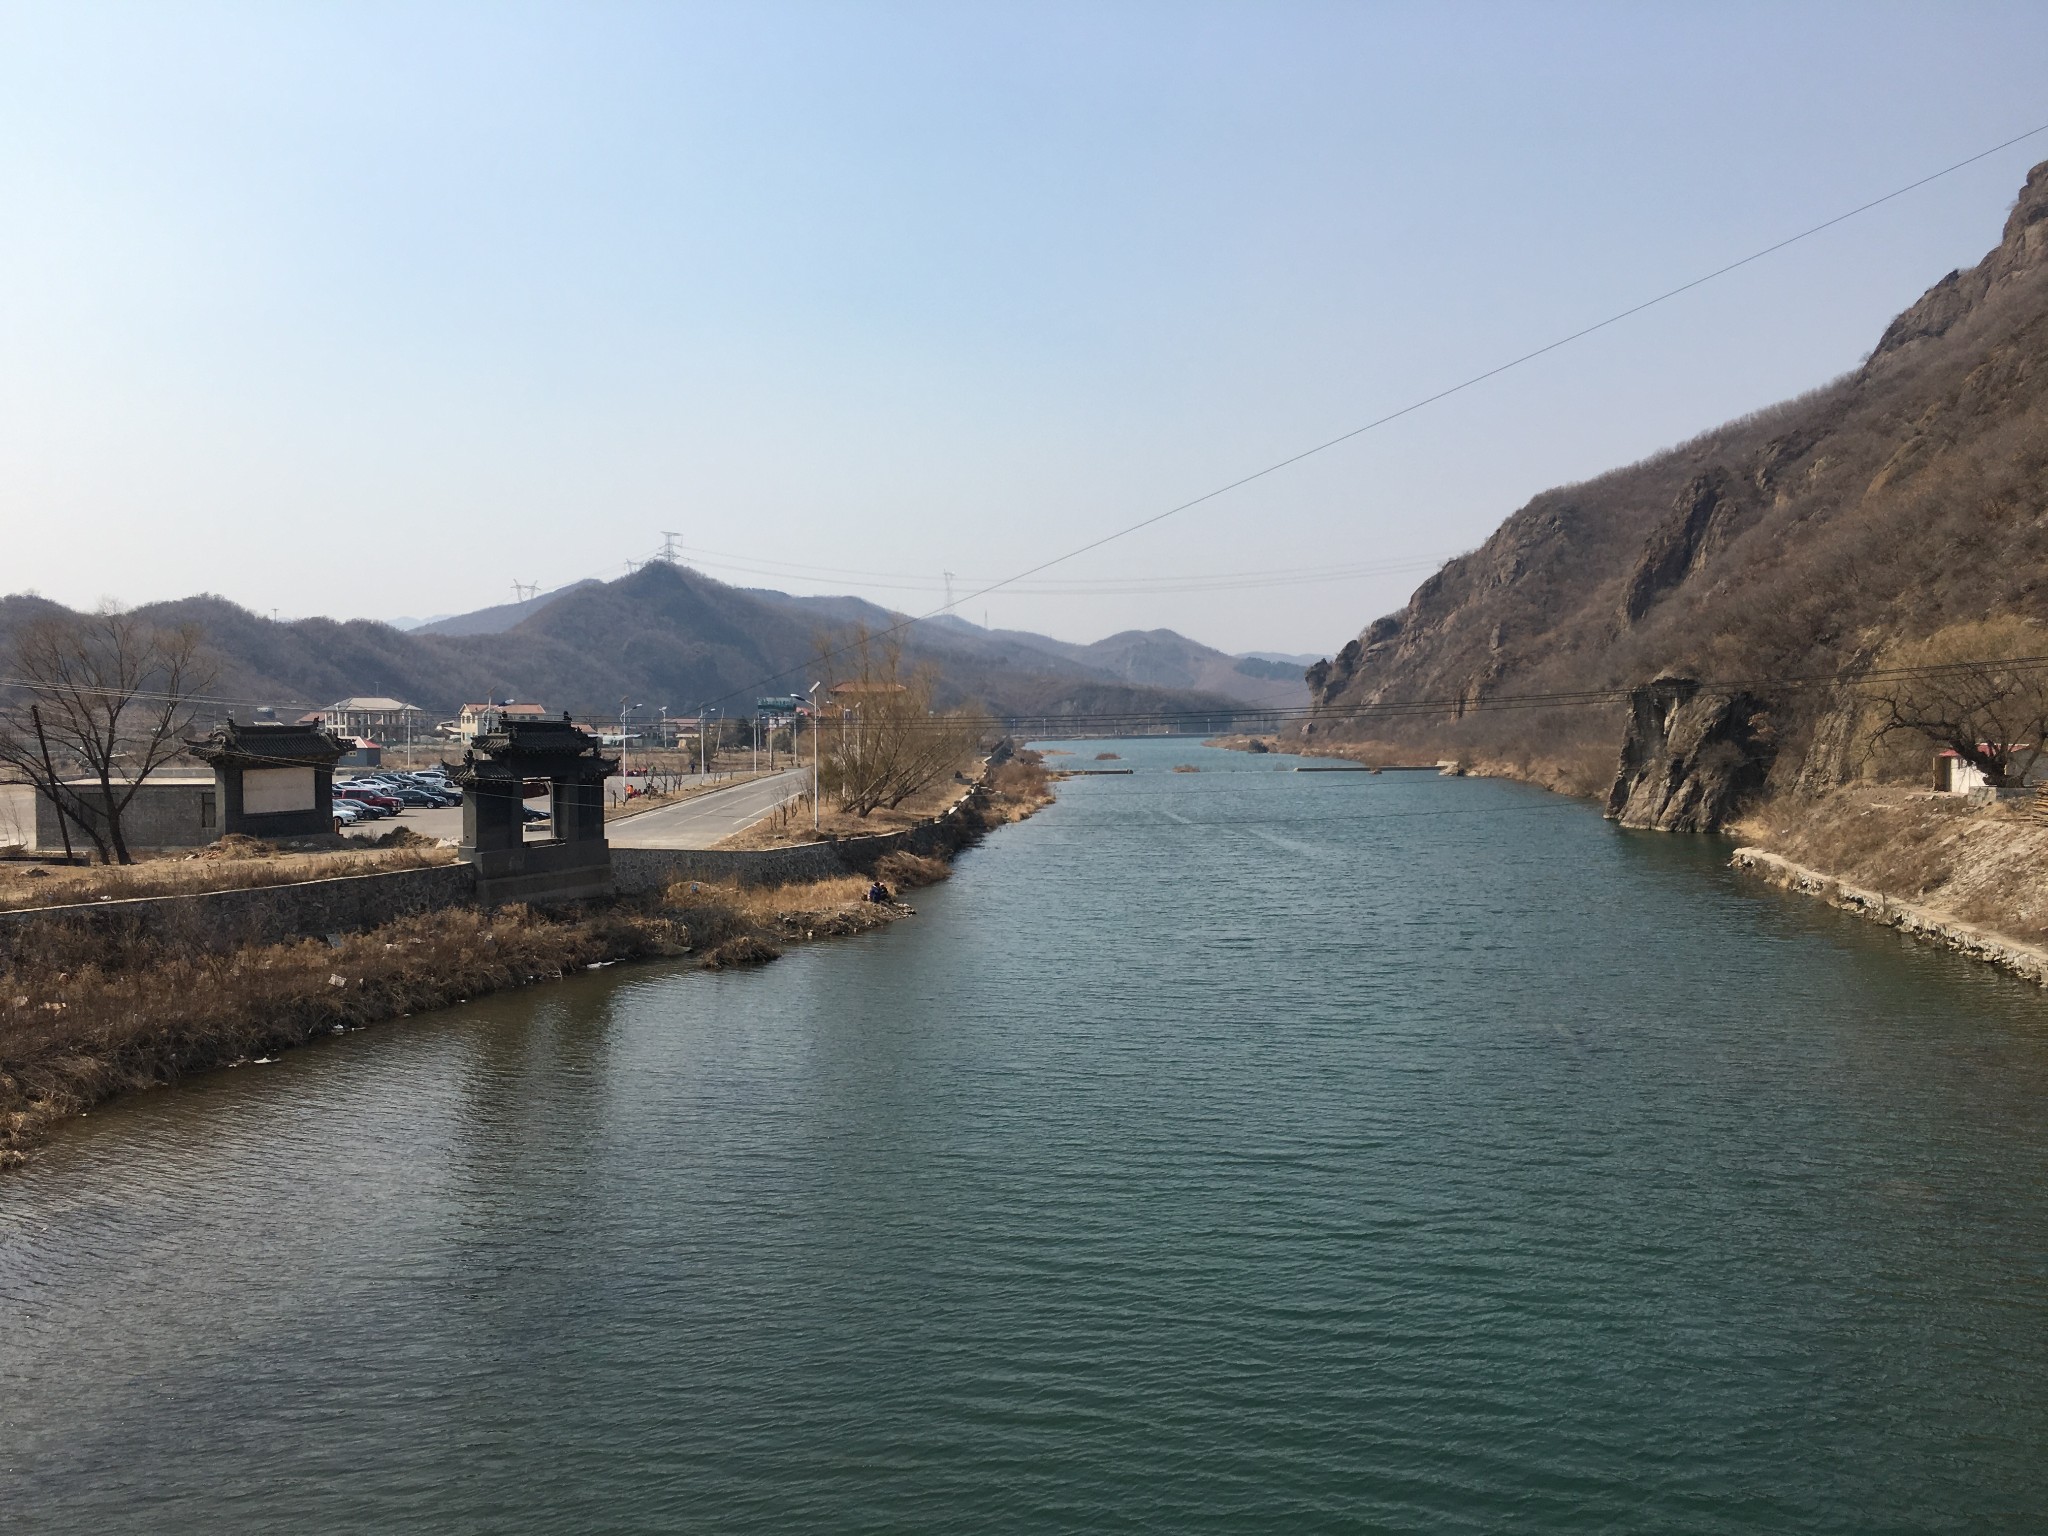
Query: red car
{"type": "Point", "coordinates": [388, 803]}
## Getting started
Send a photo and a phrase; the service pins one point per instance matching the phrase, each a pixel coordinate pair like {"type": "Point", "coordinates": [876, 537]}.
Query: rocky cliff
{"type": "Point", "coordinates": [1780, 547]}
{"type": "Point", "coordinates": [1690, 759]}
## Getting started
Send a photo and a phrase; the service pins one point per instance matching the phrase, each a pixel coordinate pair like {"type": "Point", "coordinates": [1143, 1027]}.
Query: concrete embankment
{"type": "Point", "coordinates": [2022, 959]}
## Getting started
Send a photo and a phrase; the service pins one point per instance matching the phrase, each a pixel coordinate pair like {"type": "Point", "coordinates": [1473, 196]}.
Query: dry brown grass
{"type": "Point", "coordinates": [76, 1029]}
{"type": "Point", "coordinates": [1987, 867]}
{"type": "Point", "coordinates": [1019, 786]}
{"type": "Point", "coordinates": [24, 885]}
{"type": "Point", "coordinates": [792, 822]}
{"type": "Point", "coordinates": [1185, 768]}
{"type": "Point", "coordinates": [908, 871]}
{"type": "Point", "coordinates": [79, 1025]}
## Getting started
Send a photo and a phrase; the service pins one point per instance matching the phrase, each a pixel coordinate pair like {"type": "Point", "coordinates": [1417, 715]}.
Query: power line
{"type": "Point", "coordinates": [1434, 704]}
{"type": "Point", "coordinates": [1113, 586]}
{"type": "Point", "coordinates": [1442, 394]}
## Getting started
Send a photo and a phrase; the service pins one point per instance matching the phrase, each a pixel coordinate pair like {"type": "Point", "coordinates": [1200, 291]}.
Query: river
{"type": "Point", "coordinates": [1245, 1150]}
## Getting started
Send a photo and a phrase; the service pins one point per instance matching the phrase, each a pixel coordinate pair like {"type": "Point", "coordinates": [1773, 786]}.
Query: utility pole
{"type": "Point", "coordinates": [815, 741]}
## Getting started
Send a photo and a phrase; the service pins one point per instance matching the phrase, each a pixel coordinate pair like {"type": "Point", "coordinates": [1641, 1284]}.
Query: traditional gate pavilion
{"type": "Point", "coordinates": [271, 779]}
{"type": "Point", "coordinates": [575, 863]}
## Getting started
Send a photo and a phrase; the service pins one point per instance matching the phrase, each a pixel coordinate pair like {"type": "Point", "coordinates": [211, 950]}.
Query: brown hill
{"type": "Point", "coordinates": [1789, 544]}
{"type": "Point", "coordinates": [663, 636]}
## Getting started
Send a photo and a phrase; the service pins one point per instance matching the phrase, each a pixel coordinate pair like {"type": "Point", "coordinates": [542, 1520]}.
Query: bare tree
{"type": "Point", "coordinates": [102, 697]}
{"type": "Point", "coordinates": [1979, 689]}
{"type": "Point", "coordinates": [887, 741]}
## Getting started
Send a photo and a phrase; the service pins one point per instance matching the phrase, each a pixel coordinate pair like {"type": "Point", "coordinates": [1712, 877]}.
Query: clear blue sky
{"type": "Point", "coordinates": [375, 309]}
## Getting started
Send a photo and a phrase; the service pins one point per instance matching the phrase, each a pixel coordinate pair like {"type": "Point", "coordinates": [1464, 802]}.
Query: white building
{"type": "Point", "coordinates": [385, 719]}
{"type": "Point", "coordinates": [477, 717]}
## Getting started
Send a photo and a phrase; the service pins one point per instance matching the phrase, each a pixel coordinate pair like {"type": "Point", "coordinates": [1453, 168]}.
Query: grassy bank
{"type": "Point", "coordinates": [1015, 788]}
{"type": "Point", "coordinates": [80, 1024]}
{"type": "Point", "coordinates": [1986, 867]}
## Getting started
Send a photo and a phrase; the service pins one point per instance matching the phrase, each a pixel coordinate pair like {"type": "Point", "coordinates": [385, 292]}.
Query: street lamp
{"type": "Point", "coordinates": [815, 740]}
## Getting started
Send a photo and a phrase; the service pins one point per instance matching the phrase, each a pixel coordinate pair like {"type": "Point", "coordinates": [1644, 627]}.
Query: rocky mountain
{"type": "Point", "coordinates": [1746, 568]}
{"type": "Point", "coordinates": [663, 637]}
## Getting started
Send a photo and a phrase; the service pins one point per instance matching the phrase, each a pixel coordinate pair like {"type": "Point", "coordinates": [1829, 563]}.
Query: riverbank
{"type": "Point", "coordinates": [81, 1022]}
{"type": "Point", "coordinates": [1577, 778]}
{"type": "Point", "coordinates": [1971, 878]}
{"type": "Point", "coordinates": [1013, 783]}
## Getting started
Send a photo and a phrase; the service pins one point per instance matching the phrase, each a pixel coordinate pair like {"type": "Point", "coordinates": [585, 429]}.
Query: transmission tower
{"type": "Point", "coordinates": [668, 545]}
{"type": "Point", "coordinates": [949, 591]}
{"type": "Point", "coordinates": [525, 591]}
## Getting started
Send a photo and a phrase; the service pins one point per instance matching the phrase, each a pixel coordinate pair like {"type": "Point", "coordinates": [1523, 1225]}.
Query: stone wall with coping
{"type": "Point", "coordinates": [218, 921]}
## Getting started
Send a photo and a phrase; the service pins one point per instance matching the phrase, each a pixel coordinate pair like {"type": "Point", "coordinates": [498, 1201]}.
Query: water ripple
{"type": "Point", "coordinates": [1242, 1151]}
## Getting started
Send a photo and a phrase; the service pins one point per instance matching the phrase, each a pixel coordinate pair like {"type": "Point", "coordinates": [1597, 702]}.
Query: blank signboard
{"type": "Point", "coordinates": [276, 789]}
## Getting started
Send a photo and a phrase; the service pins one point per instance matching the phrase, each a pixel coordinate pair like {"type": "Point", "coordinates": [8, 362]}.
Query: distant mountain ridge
{"type": "Point", "coordinates": [495, 620]}
{"type": "Point", "coordinates": [670, 638]}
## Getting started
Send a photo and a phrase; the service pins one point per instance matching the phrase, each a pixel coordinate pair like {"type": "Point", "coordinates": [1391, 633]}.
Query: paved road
{"type": "Point", "coordinates": [696, 823]}
{"type": "Point", "coordinates": [709, 818]}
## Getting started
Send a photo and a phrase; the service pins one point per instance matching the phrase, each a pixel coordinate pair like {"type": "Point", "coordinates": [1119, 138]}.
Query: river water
{"type": "Point", "coordinates": [1246, 1150]}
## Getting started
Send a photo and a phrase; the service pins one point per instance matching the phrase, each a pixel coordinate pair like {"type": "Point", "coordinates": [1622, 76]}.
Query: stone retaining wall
{"type": "Point", "coordinates": [1922, 922]}
{"type": "Point", "coordinates": [272, 914]}
{"type": "Point", "coordinates": [264, 914]}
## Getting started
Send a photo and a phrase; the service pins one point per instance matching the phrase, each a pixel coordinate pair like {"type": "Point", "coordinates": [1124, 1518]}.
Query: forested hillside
{"type": "Point", "coordinates": [1794, 543]}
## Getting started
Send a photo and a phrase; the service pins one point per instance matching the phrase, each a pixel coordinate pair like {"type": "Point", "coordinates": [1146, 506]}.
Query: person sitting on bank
{"type": "Point", "coordinates": [878, 892]}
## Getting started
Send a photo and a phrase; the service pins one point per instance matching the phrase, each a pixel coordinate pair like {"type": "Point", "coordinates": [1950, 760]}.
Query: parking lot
{"type": "Point", "coordinates": [445, 822]}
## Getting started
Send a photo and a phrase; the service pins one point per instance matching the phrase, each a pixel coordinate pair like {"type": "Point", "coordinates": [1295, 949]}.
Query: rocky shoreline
{"type": "Point", "coordinates": [2021, 959]}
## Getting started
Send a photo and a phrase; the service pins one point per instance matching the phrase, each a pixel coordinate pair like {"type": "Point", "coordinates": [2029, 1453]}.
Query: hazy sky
{"type": "Point", "coordinates": [376, 309]}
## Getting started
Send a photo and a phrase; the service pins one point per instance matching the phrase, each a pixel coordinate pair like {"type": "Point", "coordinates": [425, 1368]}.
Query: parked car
{"type": "Point", "coordinates": [406, 789]}
{"type": "Point", "coordinates": [388, 804]}
{"type": "Point", "coordinates": [534, 813]}
{"type": "Point", "coordinates": [347, 813]}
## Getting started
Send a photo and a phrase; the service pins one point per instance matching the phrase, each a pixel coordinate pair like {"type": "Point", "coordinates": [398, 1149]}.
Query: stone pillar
{"type": "Point", "coordinates": [576, 807]}
{"type": "Point", "coordinates": [491, 816]}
